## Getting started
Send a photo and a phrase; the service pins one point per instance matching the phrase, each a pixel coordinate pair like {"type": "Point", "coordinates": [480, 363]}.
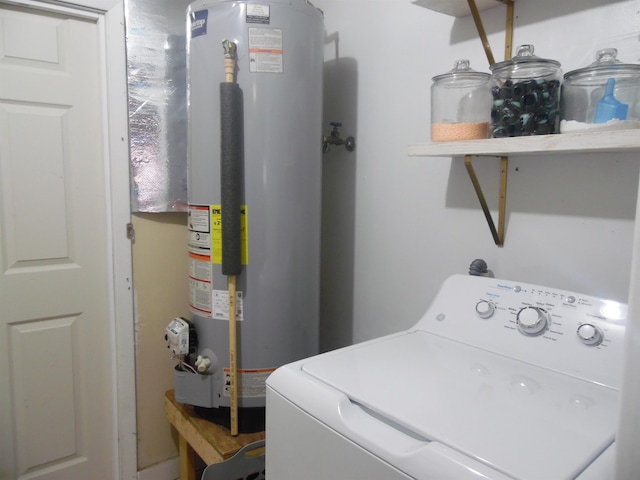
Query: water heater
{"type": "Point", "coordinates": [279, 51]}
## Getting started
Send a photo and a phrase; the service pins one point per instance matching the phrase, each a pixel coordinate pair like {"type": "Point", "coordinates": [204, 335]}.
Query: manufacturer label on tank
{"type": "Point", "coordinates": [257, 13]}
{"type": "Point", "coordinates": [265, 50]}
{"type": "Point", "coordinates": [199, 23]}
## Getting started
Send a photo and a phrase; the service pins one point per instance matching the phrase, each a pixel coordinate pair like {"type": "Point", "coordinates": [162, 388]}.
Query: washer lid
{"type": "Point", "coordinates": [524, 421]}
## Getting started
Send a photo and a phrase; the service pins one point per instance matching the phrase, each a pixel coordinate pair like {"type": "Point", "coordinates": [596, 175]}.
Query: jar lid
{"type": "Point", "coordinates": [606, 66]}
{"type": "Point", "coordinates": [462, 74]}
{"type": "Point", "coordinates": [525, 63]}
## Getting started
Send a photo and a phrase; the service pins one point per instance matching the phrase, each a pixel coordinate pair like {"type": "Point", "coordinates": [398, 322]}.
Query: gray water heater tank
{"type": "Point", "coordinates": [279, 72]}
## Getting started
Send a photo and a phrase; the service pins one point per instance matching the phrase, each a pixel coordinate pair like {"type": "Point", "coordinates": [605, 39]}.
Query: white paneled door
{"type": "Point", "coordinates": [58, 375]}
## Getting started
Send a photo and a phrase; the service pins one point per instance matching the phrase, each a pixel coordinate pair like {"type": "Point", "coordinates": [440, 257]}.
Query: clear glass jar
{"type": "Point", "coordinates": [526, 95]}
{"type": "Point", "coordinates": [460, 104]}
{"type": "Point", "coordinates": [603, 96]}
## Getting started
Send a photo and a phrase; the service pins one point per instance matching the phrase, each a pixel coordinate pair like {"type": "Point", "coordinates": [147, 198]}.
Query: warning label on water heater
{"type": "Point", "coordinates": [265, 50]}
{"type": "Point", "coordinates": [200, 265]}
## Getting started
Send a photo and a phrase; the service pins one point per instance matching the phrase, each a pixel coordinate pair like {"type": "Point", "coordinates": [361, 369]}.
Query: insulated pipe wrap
{"type": "Point", "coordinates": [231, 171]}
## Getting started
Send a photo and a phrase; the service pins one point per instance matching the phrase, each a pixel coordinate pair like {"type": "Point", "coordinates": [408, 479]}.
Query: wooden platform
{"type": "Point", "coordinates": [212, 443]}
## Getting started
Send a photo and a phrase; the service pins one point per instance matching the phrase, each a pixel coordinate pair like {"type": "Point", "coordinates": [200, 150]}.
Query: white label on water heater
{"type": "Point", "coordinates": [200, 266]}
{"type": "Point", "coordinates": [221, 305]}
{"type": "Point", "coordinates": [199, 226]}
{"type": "Point", "coordinates": [200, 278]}
{"type": "Point", "coordinates": [200, 297]}
{"type": "Point", "coordinates": [257, 13]}
{"type": "Point", "coordinates": [251, 383]}
{"type": "Point", "coordinates": [265, 50]}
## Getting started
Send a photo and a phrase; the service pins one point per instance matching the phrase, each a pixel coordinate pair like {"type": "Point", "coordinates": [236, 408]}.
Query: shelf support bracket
{"type": "Point", "coordinates": [508, 40]}
{"type": "Point", "coordinates": [508, 33]}
{"type": "Point", "coordinates": [497, 233]}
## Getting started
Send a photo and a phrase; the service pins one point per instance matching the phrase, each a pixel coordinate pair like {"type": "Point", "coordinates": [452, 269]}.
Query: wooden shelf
{"type": "Point", "coordinates": [456, 8]}
{"type": "Point", "coordinates": [583, 142]}
{"type": "Point", "coordinates": [211, 442]}
{"type": "Point", "coordinates": [619, 141]}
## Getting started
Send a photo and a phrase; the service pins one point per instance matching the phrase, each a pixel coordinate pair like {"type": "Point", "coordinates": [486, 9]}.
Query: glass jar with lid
{"type": "Point", "coordinates": [460, 104]}
{"type": "Point", "coordinates": [603, 96]}
{"type": "Point", "coordinates": [526, 95]}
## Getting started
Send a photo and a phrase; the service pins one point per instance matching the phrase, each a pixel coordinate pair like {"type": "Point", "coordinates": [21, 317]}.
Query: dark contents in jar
{"type": "Point", "coordinates": [527, 107]}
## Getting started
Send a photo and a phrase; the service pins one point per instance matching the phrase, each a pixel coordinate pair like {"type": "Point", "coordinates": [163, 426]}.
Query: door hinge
{"type": "Point", "coordinates": [131, 233]}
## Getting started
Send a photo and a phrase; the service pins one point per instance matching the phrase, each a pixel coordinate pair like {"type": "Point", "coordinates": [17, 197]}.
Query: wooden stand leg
{"type": "Point", "coordinates": [187, 460]}
{"type": "Point", "coordinates": [199, 439]}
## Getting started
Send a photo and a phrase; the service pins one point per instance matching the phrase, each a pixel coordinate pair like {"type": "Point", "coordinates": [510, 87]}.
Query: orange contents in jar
{"type": "Point", "coordinates": [447, 132]}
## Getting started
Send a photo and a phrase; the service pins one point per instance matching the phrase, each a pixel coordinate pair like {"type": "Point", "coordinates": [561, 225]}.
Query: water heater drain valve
{"type": "Point", "coordinates": [202, 363]}
{"type": "Point", "coordinates": [177, 337]}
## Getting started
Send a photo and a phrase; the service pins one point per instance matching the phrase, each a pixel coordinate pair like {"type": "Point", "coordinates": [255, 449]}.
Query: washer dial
{"type": "Point", "coordinates": [590, 335]}
{"type": "Point", "coordinates": [485, 309]}
{"type": "Point", "coordinates": [532, 321]}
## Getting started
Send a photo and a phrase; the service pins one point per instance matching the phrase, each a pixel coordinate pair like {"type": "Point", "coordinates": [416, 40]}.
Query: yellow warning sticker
{"type": "Point", "coordinates": [216, 234]}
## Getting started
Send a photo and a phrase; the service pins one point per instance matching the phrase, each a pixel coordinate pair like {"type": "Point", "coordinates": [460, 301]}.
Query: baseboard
{"type": "Point", "coordinates": [169, 470]}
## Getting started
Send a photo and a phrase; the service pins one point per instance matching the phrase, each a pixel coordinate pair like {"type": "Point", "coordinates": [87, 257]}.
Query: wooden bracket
{"type": "Point", "coordinates": [498, 234]}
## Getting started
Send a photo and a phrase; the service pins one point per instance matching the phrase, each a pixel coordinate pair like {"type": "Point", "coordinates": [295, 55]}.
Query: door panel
{"type": "Point", "coordinates": [57, 404]}
{"type": "Point", "coordinates": [31, 181]}
{"type": "Point", "coordinates": [55, 411]}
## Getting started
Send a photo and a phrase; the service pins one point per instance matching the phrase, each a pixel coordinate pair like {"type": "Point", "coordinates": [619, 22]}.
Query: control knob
{"type": "Point", "coordinates": [485, 309]}
{"type": "Point", "coordinates": [532, 321]}
{"type": "Point", "coordinates": [590, 335]}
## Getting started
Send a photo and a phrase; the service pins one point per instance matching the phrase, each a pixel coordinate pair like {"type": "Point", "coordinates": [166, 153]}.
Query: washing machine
{"type": "Point", "coordinates": [498, 380]}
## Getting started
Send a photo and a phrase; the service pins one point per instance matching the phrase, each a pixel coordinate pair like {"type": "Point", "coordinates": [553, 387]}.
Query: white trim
{"type": "Point", "coordinates": [117, 151]}
{"type": "Point", "coordinates": [102, 5]}
{"type": "Point", "coordinates": [77, 11]}
{"type": "Point", "coordinates": [168, 470]}
{"type": "Point", "coordinates": [73, 5]}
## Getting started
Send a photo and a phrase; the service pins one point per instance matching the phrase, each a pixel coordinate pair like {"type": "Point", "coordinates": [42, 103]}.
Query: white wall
{"type": "Point", "coordinates": [395, 227]}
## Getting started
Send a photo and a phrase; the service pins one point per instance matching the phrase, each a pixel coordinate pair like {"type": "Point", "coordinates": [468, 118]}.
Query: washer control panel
{"type": "Point", "coordinates": [569, 332]}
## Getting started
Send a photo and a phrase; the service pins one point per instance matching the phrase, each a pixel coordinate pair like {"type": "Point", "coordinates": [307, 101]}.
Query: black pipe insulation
{"type": "Point", "coordinates": [231, 173]}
